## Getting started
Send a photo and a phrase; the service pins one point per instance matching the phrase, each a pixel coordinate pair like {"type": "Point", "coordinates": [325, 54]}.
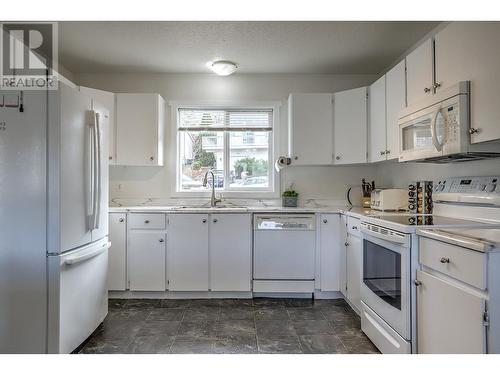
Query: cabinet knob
{"type": "Point", "coordinates": [427, 90]}
{"type": "Point", "coordinates": [354, 227]}
{"type": "Point", "coordinates": [382, 152]}
{"type": "Point", "coordinates": [346, 243]}
{"type": "Point", "coordinates": [296, 158]}
{"type": "Point", "coordinates": [215, 220]}
{"type": "Point", "coordinates": [337, 157]}
{"type": "Point", "coordinates": [444, 260]}
{"type": "Point", "coordinates": [437, 85]}
{"type": "Point", "coordinates": [204, 221]}
{"type": "Point", "coordinates": [110, 158]}
{"type": "Point", "coordinates": [161, 240]}
{"type": "Point", "coordinates": [325, 221]}
{"type": "Point", "coordinates": [417, 282]}
{"type": "Point", "coordinates": [121, 220]}
{"type": "Point", "coordinates": [146, 221]}
{"type": "Point", "coordinates": [473, 131]}
{"type": "Point", "coordinates": [387, 152]}
{"type": "Point", "coordinates": [151, 158]}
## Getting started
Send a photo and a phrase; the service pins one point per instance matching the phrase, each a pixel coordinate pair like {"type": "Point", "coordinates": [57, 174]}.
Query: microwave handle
{"type": "Point", "coordinates": [435, 141]}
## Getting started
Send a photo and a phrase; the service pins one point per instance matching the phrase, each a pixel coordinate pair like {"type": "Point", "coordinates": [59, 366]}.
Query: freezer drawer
{"type": "Point", "coordinates": [78, 300]}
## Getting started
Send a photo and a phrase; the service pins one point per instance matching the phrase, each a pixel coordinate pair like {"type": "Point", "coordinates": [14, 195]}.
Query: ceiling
{"type": "Point", "coordinates": [257, 47]}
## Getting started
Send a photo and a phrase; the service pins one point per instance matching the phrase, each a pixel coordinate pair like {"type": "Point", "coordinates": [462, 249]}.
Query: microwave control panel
{"type": "Point", "coordinates": [451, 117]}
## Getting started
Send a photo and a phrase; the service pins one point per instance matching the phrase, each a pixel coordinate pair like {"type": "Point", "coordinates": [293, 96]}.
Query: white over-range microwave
{"type": "Point", "coordinates": [438, 129]}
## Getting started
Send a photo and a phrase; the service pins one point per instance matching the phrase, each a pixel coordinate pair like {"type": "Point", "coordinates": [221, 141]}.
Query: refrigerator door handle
{"type": "Point", "coordinates": [81, 258]}
{"type": "Point", "coordinates": [89, 172]}
{"type": "Point", "coordinates": [97, 173]}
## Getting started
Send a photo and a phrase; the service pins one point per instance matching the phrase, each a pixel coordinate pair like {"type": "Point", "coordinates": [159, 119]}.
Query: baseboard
{"type": "Point", "coordinates": [177, 295]}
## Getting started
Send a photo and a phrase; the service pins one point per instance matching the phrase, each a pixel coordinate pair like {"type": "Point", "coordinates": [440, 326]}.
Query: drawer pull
{"type": "Point", "coordinates": [325, 221]}
{"type": "Point", "coordinates": [346, 243]}
{"type": "Point", "coordinates": [204, 221]}
{"type": "Point", "coordinates": [121, 220]}
{"type": "Point", "coordinates": [146, 221]}
{"type": "Point", "coordinates": [354, 227]}
{"type": "Point", "coordinates": [444, 260]}
{"type": "Point", "coordinates": [215, 220]}
{"type": "Point", "coordinates": [161, 240]}
{"type": "Point", "coordinates": [417, 282]}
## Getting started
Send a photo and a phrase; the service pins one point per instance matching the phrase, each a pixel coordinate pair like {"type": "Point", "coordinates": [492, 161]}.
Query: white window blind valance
{"type": "Point", "coordinates": [199, 119]}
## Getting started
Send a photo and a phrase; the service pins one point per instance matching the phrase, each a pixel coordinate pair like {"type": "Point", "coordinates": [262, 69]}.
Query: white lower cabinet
{"type": "Point", "coordinates": [450, 317]}
{"type": "Point", "coordinates": [230, 252]}
{"type": "Point", "coordinates": [209, 252]}
{"type": "Point", "coordinates": [188, 252]}
{"type": "Point", "coordinates": [117, 255]}
{"type": "Point", "coordinates": [354, 264]}
{"type": "Point", "coordinates": [330, 252]}
{"type": "Point", "coordinates": [146, 260]}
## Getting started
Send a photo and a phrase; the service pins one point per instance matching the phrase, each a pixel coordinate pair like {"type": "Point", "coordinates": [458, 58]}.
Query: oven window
{"type": "Point", "coordinates": [382, 272]}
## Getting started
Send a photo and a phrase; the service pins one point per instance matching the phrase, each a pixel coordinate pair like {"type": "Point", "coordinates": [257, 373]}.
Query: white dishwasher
{"type": "Point", "coordinates": [284, 247]}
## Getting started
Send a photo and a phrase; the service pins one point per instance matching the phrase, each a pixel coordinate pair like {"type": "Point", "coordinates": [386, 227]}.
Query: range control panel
{"type": "Point", "coordinates": [468, 185]}
{"type": "Point", "coordinates": [469, 190]}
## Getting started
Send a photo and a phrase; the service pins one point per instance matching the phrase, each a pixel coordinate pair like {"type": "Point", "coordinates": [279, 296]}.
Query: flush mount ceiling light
{"type": "Point", "coordinates": [223, 67]}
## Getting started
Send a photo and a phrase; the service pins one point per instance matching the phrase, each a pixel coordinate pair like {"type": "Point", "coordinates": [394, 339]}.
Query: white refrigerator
{"type": "Point", "coordinates": [53, 219]}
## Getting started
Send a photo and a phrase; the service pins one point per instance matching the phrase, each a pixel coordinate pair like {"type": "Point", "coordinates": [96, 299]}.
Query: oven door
{"type": "Point", "coordinates": [385, 286]}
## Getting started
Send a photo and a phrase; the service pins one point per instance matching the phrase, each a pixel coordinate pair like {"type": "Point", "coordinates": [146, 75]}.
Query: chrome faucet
{"type": "Point", "coordinates": [213, 199]}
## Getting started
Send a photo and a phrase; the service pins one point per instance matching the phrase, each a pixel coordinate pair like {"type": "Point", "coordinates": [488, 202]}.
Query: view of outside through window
{"type": "Point", "coordinates": [233, 144]}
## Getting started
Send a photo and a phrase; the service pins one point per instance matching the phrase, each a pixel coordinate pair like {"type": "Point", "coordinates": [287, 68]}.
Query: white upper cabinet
{"type": "Point", "coordinates": [140, 122]}
{"type": "Point", "coordinates": [395, 101]}
{"type": "Point", "coordinates": [108, 100]}
{"type": "Point", "coordinates": [419, 68]}
{"type": "Point", "coordinates": [310, 127]}
{"type": "Point", "coordinates": [469, 51]}
{"type": "Point", "coordinates": [350, 126]}
{"type": "Point", "coordinates": [377, 138]}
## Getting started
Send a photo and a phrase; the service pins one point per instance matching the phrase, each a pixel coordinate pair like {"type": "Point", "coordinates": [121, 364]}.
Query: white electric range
{"type": "Point", "coordinates": [391, 256]}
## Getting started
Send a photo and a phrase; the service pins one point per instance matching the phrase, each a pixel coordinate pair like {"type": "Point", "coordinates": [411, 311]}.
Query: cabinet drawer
{"type": "Point", "coordinates": [465, 265]}
{"type": "Point", "coordinates": [353, 226]}
{"type": "Point", "coordinates": [146, 221]}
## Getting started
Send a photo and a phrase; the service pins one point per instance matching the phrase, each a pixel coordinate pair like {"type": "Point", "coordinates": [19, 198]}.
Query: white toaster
{"type": "Point", "coordinates": [389, 199]}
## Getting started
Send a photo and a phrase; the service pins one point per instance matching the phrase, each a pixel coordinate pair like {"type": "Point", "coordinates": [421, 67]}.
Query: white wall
{"type": "Point", "coordinates": [155, 182]}
{"type": "Point", "coordinates": [394, 174]}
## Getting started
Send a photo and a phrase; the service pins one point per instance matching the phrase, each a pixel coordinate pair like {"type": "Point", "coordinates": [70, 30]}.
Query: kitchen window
{"type": "Point", "coordinates": [235, 143]}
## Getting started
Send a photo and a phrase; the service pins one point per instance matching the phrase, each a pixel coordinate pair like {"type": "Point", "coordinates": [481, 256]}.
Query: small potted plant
{"type": "Point", "coordinates": [290, 197]}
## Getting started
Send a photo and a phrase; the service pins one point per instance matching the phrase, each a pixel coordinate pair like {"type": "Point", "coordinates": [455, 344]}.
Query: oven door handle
{"type": "Point", "coordinates": [382, 236]}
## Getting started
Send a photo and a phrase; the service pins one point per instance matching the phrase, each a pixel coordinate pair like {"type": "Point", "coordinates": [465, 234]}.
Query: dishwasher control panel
{"type": "Point", "coordinates": [284, 222]}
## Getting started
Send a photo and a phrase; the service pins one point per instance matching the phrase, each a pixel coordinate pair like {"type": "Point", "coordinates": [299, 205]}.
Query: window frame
{"type": "Point", "coordinates": [272, 191]}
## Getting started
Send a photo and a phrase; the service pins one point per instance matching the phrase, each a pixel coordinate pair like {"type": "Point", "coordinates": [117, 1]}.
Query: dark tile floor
{"type": "Point", "coordinates": [220, 326]}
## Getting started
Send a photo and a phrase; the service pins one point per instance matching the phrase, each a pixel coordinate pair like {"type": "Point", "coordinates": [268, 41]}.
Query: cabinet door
{"type": "Point", "coordinates": [449, 318]}
{"type": "Point", "coordinates": [330, 232]}
{"type": "Point", "coordinates": [187, 257]}
{"type": "Point", "coordinates": [107, 100]}
{"type": "Point", "coordinates": [117, 279]}
{"type": "Point", "coordinates": [310, 127]}
{"type": "Point", "coordinates": [350, 126]}
{"type": "Point", "coordinates": [343, 255]}
{"type": "Point", "coordinates": [139, 129]}
{"type": "Point", "coordinates": [377, 146]}
{"type": "Point", "coordinates": [467, 51]}
{"type": "Point", "coordinates": [354, 255]}
{"type": "Point", "coordinates": [230, 252]}
{"type": "Point", "coordinates": [146, 260]}
{"type": "Point", "coordinates": [419, 66]}
{"type": "Point", "coordinates": [395, 101]}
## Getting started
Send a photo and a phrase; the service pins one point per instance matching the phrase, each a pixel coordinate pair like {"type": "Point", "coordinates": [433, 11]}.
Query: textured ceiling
{"type": "Point", "coordinates": [257, 47]}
